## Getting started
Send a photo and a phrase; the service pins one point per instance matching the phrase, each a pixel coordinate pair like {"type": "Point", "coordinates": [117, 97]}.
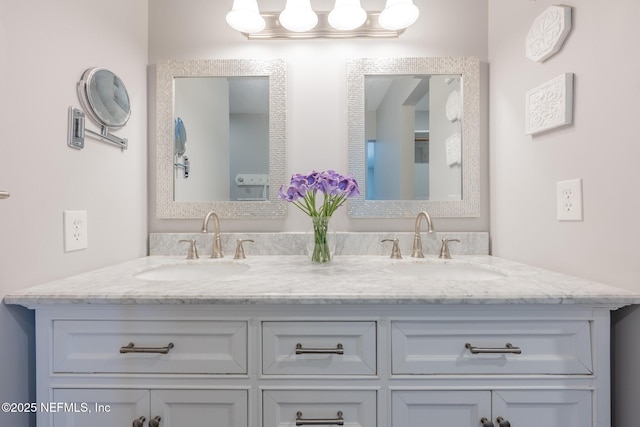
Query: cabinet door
{"type": "Point", "coordinates": [202, 408]}
{"type": "Point", "coordinates": [96, 408]}
{"type": "Point", "coordinates": [177, 408]}
{"type": "Point", "coordinates": [549, 408]}
{"type": "Point", "coordinates": [410, 408]}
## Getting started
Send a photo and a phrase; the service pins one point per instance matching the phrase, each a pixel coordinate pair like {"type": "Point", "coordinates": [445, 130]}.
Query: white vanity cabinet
{"type": "Point", "coordinates": [153, 408]}
{"type": "Point", "coordinates": [357, 365]}
{"type": "Point", "coordinates": [522, 408]}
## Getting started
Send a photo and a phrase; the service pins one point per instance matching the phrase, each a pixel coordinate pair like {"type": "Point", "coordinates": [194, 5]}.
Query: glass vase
{"type": "Point", "coordinates": [321, 242]}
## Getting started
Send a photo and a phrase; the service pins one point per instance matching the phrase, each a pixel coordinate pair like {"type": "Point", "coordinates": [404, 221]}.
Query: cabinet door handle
{"type": "Point", "coordinates": [502, 422]}
{"type": "Point", "coordinates": [508, 349]}
{"type": "Point", "coordinates": [486, 422]}
{"type": "Point", "coordinates": [302, 350]}
{"type": "Point", "coordinates": [131, 348]}
{"type": "Point", "coordinates": [155, 422]}
{"type": "Point", "coordinates": [319, 422]}
{"type": "Point", "coordinates": [4, 194]}
{"type": "Point", "coordinates": [139, 422]}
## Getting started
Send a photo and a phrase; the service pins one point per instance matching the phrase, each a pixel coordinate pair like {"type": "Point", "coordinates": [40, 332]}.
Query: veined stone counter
{"type": "Point", "coordinates": [345, 280]}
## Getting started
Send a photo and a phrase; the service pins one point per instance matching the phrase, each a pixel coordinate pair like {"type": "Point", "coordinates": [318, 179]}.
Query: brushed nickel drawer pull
{"type": "Point", "coordinates": [155, 422]}
{"type": "Point", "coordinates": [337, 350]}
{"type": "Point", "coordinates": [131, 348]}
{"type": "Point", "coordinates": [508, 349]}
{"type": "Point", "coordinates": [319, 422]}
{"type": "Point", "coordinates": [4, 194]}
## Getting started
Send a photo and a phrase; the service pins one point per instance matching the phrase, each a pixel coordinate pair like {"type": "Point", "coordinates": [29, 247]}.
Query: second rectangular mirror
{"type": "Point", "coordinates": [414, 136]}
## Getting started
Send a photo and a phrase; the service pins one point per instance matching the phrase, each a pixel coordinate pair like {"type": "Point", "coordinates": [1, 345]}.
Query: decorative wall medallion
{"type": "Point", "coordinates": [452, 107]}
{"type": "Point", "coordinates": [550, 105]}
{"type": "Point", "coordinates": [548, 32]}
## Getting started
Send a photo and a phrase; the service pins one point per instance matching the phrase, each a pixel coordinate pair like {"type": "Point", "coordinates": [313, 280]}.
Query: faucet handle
{"type": "Point", "coordinates": [395, 251]}
{"type": "Point", "coordinates": [240, 250]}
{"type": "Point", "coordinates": [193, 250]}
{"type": "Point", "coordinates": [444, 250]}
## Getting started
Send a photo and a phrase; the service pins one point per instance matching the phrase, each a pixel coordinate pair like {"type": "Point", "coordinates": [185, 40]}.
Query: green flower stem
{"type": "Point", "coordinates": [321, 252]}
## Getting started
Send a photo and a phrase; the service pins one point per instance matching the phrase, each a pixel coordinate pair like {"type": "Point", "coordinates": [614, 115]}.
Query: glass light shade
{"type": "Point", "coordinates": [245, 17]}
{"type": "Point", "coordinates": [298, 16]}
{"type": "Point", "coordinates": [347, 15]}
{"type": "Point", "coordinates": [398, 14]}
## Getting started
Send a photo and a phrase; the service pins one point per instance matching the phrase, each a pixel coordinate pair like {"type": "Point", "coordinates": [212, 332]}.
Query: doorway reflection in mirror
{"type": "Point", "coordinates": [409, 124]}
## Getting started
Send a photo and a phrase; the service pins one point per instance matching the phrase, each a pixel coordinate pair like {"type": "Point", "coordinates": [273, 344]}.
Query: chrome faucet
{"type": "Point", "coordinates": [217, 244]}
{"type": "Point", "coordinates": [417, 240]}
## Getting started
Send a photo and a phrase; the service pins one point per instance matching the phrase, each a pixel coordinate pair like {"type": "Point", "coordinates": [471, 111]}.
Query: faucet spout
{"type": "Point", "coordinates": [217, 244]}
{"type": "Point", "coordinates": [417, 240]}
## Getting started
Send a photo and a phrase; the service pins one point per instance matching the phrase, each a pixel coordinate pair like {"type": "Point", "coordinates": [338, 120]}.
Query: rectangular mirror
{"type": "Point", "coordinates": [412, 132]}
{"type": "Point", "coordinates": [220, 138]}
{"type": "Point", "coordinates": [414, 136]}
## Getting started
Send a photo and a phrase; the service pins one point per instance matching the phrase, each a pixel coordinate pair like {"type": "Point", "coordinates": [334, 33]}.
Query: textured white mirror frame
{"type": "Point", "coordinates": [166, 72]}
{"type": "Point", "coordinates": [469, 69]}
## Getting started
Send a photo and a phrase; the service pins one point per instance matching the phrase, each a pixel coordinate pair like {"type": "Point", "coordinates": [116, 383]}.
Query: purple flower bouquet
{"type": "Point", "coordinates": [303, 193]}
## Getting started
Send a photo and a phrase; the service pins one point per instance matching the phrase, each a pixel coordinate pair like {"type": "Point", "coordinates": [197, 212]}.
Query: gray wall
{"type": "Point", "coordinates": [45, 46]}
{"type": "Point", "coordinates": [600, 147]}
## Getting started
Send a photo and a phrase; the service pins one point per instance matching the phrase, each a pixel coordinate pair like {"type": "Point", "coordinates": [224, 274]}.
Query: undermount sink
{"type": "Point", "coordinates": [445, 271]}
{"type": "Point", "coordinates": [192, 271]}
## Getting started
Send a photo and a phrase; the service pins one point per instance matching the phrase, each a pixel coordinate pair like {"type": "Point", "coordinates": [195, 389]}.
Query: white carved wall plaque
{"type": "Point", "coordinates": [548, 33]}
{"type": "Point", "coordinates": [454, 149]}
{"type": "Point", "coordinates": [550, 105]}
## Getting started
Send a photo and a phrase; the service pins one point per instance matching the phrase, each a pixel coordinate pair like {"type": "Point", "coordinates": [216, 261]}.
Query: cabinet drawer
{"type": "Point", "coordinates": [84, 346]}
{"type": "Point", "coordinates": [319, 348]}
{"type": "Point", "coordinates": [480, 347]}
{"type": "Point", "coordinates": [351, 408]}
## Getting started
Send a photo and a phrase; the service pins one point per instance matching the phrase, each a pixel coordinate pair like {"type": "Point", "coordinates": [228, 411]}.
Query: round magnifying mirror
{"type": "Point", "coordinates": [104, 97]}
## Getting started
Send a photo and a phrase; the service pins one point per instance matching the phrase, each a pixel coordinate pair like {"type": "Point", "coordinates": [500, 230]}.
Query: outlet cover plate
{"type": "Point", "coordinates": [569, 200]}
{"type": "Point", "coordinates": [75, 230]}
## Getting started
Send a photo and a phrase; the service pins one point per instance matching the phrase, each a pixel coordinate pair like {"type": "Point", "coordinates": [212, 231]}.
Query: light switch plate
{"type": "Point", "coordinates": [569, 200]}
{"type": "Point", "coordinates": [75, 230]}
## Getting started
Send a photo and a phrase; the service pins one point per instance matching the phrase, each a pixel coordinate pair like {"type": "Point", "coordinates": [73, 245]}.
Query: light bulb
{"type": "Point", "coordinates": [398, 14]}
{"type": "Point", "coordinates": [298, 16]}
{"type": "Point", "coordinates": [347, 15]}
{"type": "Point", "coordinates": [245, 17]}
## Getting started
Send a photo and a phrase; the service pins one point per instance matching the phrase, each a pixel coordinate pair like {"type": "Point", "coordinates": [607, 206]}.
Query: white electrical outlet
{"type": "Point", "coordinates": [569, 200]}
{"type": "Point", "coordinates": [75, 230]}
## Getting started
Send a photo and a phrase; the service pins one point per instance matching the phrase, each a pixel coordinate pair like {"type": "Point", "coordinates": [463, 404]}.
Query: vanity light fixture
{"type": "Point", "coordinates": [298, 16]}
{"type": "Point", "coordinates": [245, 17]}
{"type": "Point", "coordinates": [347, 15]}
{"type": "Point", "coordinates": [298, 20]}
{"type": "Point", "coordinates": [399, 14]}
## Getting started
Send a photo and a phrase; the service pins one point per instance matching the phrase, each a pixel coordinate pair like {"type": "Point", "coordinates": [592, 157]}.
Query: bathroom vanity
{"type": "Point", "coordinates": [365, 341]}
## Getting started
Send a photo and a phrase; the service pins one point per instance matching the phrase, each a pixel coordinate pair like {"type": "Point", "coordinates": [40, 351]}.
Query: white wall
{"type": "Point", "coordinates": [44, 48]}
{"type": "Point", "coordinates": [601, 147]}
{"type": "Point", "coordinates": [203, 105]}
{"type": "Point", "coordinates": [317, 102]}
{"type": "Point", "coordinates": [445, 180]}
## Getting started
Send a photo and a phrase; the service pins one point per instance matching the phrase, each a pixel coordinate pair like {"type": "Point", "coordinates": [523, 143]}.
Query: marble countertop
{"type": "Point", "coordinates": [346, 280]}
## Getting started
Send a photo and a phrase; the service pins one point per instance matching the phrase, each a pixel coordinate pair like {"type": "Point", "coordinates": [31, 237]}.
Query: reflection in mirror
{"type": "Point", "coordinates": [235, 113]}
{"type": "Point", "coordinates": [412, 127]}
{"type": "Point", "coordinates": [414, 136]}
{"type": "Point", "coordinates": [228, 121]}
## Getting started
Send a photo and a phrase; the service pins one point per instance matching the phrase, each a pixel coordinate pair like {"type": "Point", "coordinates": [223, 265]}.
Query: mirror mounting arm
{"type": "Point", "coordinates": [77, 132]}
